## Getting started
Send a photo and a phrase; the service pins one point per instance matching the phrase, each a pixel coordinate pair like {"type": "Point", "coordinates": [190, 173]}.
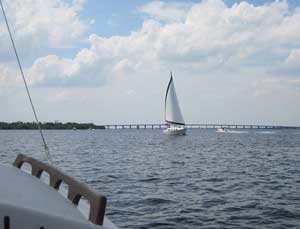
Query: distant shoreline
{"type": "Point", "coordinates": [48, 126]}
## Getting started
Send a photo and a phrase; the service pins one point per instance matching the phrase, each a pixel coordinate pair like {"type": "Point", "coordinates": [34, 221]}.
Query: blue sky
{"type": "Point", "coordinates": [109, 61]}
{"type": "Point", "coordinates": [117, 17]}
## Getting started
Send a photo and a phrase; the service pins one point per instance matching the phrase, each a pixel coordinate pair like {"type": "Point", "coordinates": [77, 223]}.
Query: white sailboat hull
{"type": "Point", "coordinates": [175, 131]}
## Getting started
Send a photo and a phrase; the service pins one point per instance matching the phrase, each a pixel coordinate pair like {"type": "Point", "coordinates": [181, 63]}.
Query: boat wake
{"type": "Point", "coordinates": [227, 131]}
{"type": "Point", "coordinates": [236, 132]}
{"type": "Point", "coordinates": [265, 132]}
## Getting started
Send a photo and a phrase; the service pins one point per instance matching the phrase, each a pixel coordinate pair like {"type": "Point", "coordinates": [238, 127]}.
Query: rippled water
{"type": "Point", "coordinates": [246, 179]}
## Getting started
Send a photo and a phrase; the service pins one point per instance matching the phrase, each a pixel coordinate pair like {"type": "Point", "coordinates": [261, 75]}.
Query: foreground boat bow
{"type": "Point", "coordinates": [26, 202]}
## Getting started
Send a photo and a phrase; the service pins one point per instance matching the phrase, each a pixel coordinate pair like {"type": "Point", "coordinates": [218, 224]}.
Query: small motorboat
{"type": "Point", "coordinates": [222, 130]}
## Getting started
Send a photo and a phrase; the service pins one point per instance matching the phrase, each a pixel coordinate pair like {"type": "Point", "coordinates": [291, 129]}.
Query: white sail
{"type": "Point", "coordinates": [172, 110]}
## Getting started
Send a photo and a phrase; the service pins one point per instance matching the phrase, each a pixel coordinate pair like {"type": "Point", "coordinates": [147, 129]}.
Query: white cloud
{"type": "Point", "coordinates": [294, 58]}
{"type": "Point", "coordinates": [277, 86]}
{"type": "Point", "coordinates": [8, 80]}
{"type": "Point", "coordinates": [211, 37]}
{"type": "Point", "coordinates": [82, 71]}
{"type": "Point", "coordinates": [38, 24]}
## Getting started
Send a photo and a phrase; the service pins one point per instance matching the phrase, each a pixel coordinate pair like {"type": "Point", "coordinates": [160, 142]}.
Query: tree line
{"type": "Point", "coordinates": [48, 126]}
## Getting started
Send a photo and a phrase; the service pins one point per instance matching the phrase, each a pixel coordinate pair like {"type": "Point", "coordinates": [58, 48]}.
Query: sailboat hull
{"type": "Point", "coordinates": [175, 131]}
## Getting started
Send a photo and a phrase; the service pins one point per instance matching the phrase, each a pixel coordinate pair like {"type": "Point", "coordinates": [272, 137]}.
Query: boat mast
{"type": "Point", "coordinates": [166, 96]}
{"type": "Point", "coordinates": [47, 151]}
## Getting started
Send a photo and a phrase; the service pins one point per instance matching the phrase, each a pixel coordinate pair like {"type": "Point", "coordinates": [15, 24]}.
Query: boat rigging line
{"type": "Point", "coordinates": [47, 151]}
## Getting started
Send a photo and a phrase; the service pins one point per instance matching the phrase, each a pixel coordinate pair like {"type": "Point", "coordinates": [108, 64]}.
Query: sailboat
{"type": "Point", "coordinates": [173, 115]}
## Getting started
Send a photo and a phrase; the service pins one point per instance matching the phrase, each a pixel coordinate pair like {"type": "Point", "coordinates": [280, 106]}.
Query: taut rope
{"type": "Point", "coordinates": [47, 151]}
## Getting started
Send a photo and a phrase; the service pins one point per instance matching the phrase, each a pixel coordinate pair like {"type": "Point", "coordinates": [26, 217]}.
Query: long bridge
{"type": "Point", "coordinates": [195, 126]}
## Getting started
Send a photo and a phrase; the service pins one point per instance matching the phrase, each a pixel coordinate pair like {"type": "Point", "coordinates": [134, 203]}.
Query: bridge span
{"type": "Point", "coordinates": [196, 126]}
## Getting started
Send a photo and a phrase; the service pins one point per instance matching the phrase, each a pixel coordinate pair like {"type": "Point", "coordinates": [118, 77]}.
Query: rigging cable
{"type": "Point", "coordinates": [47, 151]}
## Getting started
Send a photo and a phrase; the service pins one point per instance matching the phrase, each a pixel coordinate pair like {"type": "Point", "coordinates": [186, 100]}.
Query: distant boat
{"type": "Point", "coordinates": [173, 115]}
{"type": "Point", "coordinates": [222, 130]}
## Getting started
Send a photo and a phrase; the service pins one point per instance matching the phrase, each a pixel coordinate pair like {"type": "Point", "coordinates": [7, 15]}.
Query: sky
{"type": "Point", "coordinates": [108, 61]}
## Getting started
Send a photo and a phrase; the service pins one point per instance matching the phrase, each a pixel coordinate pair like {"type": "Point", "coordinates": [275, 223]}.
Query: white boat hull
{"type": "Point", "coordinates": [31, 203]}
{"type": "Point", "coordinates": [221, 130]}
{"type": "Point", "coordinates": [175, 131]}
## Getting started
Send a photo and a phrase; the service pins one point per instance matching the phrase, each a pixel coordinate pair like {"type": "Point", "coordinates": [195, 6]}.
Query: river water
{"type": "Point", "coordinates": [240, 179]}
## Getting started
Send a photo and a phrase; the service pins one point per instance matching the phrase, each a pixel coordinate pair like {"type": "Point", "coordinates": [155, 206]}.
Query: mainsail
{"type": "Point", "coordinates": [172, 110]}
